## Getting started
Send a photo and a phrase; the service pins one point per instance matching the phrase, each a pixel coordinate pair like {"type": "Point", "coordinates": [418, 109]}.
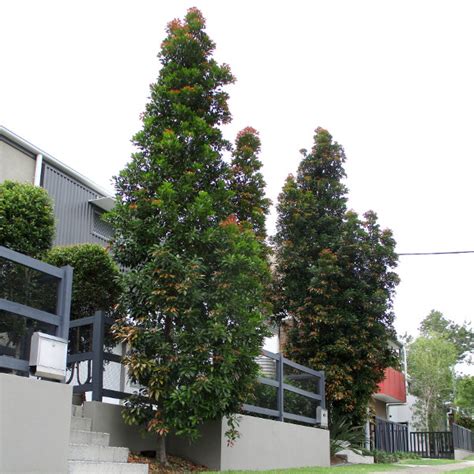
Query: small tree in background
{"type": "Point", "coordinates": [334, 274]}
{"type": "Point", "coordinates": [431, 363]}
{"type": "Point", "coordinates": [194, 287]}
{"type": "Point", "coordinates": [249, 201]}
{"type": "Point", "coordinates": [462, 336]}
{"type": "Point", "coordinates": [96, 284]}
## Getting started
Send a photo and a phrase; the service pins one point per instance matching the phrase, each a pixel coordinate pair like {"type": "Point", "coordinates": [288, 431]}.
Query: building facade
{"type": "Point", "coordinates": [78, 202]}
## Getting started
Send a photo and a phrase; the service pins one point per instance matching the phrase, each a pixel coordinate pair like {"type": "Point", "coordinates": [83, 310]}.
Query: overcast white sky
{"type": "Point", "coordinates": [393, 81]}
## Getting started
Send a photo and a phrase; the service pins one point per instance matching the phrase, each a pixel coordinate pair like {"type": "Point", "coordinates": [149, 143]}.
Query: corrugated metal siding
{"type": "Point", "coordinates": [76, 219]}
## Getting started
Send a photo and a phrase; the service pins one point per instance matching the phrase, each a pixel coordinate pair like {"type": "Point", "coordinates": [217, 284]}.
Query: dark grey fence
{"type": "Point", "coordinates": [432, 444]}
{"type": "Point", "coordinates": [463, 438]}
{"type": "Point", "coordinates": [96, 359]}
{"type": "Point", "coordinates": [33, 296]}
{"type": "Point", "coordinates": [287, 390]}
{"type": "Point", "coordinates": [295, 391]}
{"type": "Point", "coordinates": [389, 436]}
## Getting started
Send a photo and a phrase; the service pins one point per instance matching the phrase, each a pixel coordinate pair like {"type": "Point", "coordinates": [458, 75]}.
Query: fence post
{"type": "Point", "coordinates": [322, 389]}
{"type": "Point", "coordinates": [280, 387]}
{"type": "Point", "coordinates": [98, 356]}
{"type": "Point", "coordinates": [64, 302]}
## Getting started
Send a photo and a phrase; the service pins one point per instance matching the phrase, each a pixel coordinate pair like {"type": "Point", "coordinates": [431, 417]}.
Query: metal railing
{"type": "Point", "coordinates": [287, 390]}
{"type": "Point", "coordinates": [389, 436]}
{"type": "Point", "coordinates": [463, 438]}
{"type": "Point", "coordinates": [432, 444]}
{"type": "Point", "coordinates": [95, 361]}
{"type": "Point", "coordinates": [26, 268]}
{"type": "Point", "coordinates": [88, 370]}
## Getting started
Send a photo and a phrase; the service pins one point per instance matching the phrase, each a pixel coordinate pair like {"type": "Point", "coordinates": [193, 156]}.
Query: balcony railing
{"type": "Point", "coordinates": [393, 386]}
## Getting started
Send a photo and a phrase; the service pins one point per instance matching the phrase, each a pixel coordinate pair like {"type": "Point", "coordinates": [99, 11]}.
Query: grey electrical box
{"type": "Point", "coordinates": [48, 356]}
{"type": "Point", "coordinates": [322, 417]}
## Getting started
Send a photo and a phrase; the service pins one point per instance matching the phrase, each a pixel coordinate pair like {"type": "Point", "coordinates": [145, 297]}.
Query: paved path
{"type": "Point", "coordinates": [433, 468]}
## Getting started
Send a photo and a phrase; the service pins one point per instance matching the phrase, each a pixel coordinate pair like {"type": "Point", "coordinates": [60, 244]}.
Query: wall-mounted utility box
{"type": "Point", "coordinates": [322, 417]}
{"type": "Point", "coordinates": [48, 356]}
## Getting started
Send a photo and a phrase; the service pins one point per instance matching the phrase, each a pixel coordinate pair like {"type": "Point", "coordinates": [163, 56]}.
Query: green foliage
{"type": "Point", "coordinates": [344, 435]}
{"type": "Point", "coordinates": [462, 336]}
{"type": "Point", "coordinates": [196, 276]}
{"type": "Point", "coordinates": [96, 286]}
{"type": "Point", "coordinates": [96, 277]}
{"type": "Point", "coordinates": [247, 183]}
{"type": "Point", "coordinates": [431, 363]}
{"type": "Point", "coordinates": [26, 226]}
{"type": "Point", "coordinates": [465, 421]}
{"type": "Point", "coordinates": [465, 395]}
{"type": "Point", "coordinates": [334, 278]}
{"type": "Point", "coordinates": [384, 457]}
{"type": "Point", "coordinates": [26, 218]}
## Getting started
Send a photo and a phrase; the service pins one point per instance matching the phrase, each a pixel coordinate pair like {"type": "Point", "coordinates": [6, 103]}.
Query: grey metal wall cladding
{"type": "Point", "coordinates": [77, 221]}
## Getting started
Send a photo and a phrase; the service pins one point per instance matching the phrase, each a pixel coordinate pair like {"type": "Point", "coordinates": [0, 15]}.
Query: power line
{"type": "Point", "coordinates": [435, 253]}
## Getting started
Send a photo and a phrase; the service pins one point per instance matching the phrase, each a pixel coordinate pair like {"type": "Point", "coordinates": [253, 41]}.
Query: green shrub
{"type": "Point", "coordinates": [343, 435]}
{"type": "Point", "coordinates": [384, 457]}
{"type": "Point", "coordinates": [95, 287]}
{"type": "Point", "coordinates": [26, 218]}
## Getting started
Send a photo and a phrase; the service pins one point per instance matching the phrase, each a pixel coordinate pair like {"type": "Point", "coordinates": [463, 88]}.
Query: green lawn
{"type": "Point", "coordinates": [359, 468]}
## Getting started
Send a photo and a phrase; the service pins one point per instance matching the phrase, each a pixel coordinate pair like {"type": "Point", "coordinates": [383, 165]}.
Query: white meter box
{"type": "Point", "coordinates": [48, 355]}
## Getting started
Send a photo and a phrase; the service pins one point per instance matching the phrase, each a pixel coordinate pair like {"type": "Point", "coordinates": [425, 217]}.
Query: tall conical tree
{"type": "Point", "coordinates": [195, 278]}
{"type": "Point", "coordinates": [247, 183]}
{"type": "Point", "coordinates": [335, 273]}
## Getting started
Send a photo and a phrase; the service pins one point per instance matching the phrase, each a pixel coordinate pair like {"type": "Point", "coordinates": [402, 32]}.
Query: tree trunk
{"type": "Point", "coordinates": [161, 451]}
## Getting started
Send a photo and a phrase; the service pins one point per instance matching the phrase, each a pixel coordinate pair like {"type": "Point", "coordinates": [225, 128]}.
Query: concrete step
{"type": "Point", "coordinates": [80, 423]}
{"type": "Point", "coordinates": [77, 410]}
{"type": "Point", "coordinates": [88, 452]}
{"type": "Point", "coordinates": [89, 437]}
{"type": "Point", "coordinates": [84, 467]}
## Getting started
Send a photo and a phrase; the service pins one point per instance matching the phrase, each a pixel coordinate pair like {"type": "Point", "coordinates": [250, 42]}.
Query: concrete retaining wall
{"type": "Point", "coordinates": [107, 418]}
{"type": "Point", "coordinates": [263, 444]}
{"type": "Point", "coordinates": [460, 454]}
{"type": "Point", "coordinates": [35, 419]}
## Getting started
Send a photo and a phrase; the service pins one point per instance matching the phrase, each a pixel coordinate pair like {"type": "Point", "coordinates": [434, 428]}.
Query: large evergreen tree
{"type": "Point", "coordinates": [334, 272]}
{"type": "Point", "coordinates": [193, 289]}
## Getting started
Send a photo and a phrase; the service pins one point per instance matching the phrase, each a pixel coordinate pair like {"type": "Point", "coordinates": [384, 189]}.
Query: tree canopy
{"type": "Point", "coordinates": [193, 290]}
{"type": "Point", "coordinates": [334, 270]}
{"type": "Point", "coordinates": [462, 336]}
{"type": "Point", "coordinates": [431, 363]}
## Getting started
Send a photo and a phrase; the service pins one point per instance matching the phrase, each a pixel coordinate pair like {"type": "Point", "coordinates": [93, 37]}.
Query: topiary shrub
{"type": "Point", "coordinates": [26, 218]}
{"type": "Point", "coordinates": [26, 226]}
{"type": "Point", "coordinates": [95, 287]}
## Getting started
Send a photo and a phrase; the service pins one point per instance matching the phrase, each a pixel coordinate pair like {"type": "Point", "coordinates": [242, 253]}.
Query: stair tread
{"type": "Point", "coordinates": [97, 467]}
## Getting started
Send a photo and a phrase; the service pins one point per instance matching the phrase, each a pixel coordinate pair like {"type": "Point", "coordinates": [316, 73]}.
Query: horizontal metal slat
{"type": "Point", "coordinates": [81, 322]}
{"type": "Point", "coordinates": [260, 410]}
{"type": "Point", "coordinates": [303, 419]}
{"type": "Point", "coordinates": [30, 262]}
{"type": "Point", "coordinates": [12, 363]}
{"type": "Point", "coordinates": [302, 367]}
{"type": "Point", "coordinates": [300, 391]}
{"type": "Point", "coordinates": [27, 311]}
{"type": "Point", "coordinates": [80, 357]}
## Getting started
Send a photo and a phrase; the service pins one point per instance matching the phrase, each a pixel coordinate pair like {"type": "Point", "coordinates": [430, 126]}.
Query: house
{"type": "Point", "coordinates": [78, 202]}
{"type": "Point", "coordinates": [392, 391]}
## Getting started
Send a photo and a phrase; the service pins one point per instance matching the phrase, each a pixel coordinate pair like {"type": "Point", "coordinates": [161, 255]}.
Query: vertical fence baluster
{"type": "Point", "coordinates": [98, 356]}
{"type": "Point", "coordinates": [281, 400]}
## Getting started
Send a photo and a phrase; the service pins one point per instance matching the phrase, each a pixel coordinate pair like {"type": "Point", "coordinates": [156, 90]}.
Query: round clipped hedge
{"type": "Point", "coordinates": [96, 283]}
{"type": "Point", "coordinates": [26, 218]}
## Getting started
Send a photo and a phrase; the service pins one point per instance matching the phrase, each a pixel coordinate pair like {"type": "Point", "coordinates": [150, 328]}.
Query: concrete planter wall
{"type": "Point", "coordinates": [35, 419]}
{"type": "Point", "coordinates": [263, 444]}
